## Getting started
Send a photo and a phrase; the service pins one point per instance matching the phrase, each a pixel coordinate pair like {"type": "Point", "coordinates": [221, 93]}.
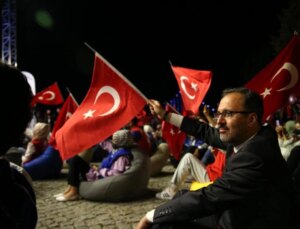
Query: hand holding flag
{"type": "Point", "coordinates": [111, 102]}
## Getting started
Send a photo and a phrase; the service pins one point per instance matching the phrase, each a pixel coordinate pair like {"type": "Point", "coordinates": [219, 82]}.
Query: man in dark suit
{"type": "Point", "coordinates": [255, 188]}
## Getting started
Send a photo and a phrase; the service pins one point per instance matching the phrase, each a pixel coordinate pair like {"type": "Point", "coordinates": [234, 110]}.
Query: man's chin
{"type": "Point", "coordinates": [224, 138]}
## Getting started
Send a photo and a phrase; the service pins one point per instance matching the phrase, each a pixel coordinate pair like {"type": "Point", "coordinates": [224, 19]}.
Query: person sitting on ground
{"type": "Point", "coordinates": [149, 133]}
{"type": "Point", "coordinates": [191, 165]}
{"type": "Point", "coordinates": [38, 143]}
{"type": "Point", "coordinates": [255, 189]}
{"type": "Point", "coordinates": [140, 137]}
{"type": "Point", "coordinates": [117, 162]}
{"type": "Point", "coordinates": [17, 197]}
{"type": "Point", "coordinates": [287, 138]}
{"type": "Point", "coordinates": [157, 133]}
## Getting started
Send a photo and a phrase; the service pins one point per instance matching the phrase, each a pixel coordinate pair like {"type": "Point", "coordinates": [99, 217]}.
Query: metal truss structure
{"type": "Point", "coordinates": [9, 32]}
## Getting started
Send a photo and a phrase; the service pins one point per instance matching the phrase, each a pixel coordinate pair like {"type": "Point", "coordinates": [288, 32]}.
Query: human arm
{"type": "Point", "coordinates": [30, 150]}
{"type": "Point", "coordinates": [157, 109]}
{"type": "Point", "coordinates": [209, 118]}
{"type": "Point", "coordinates": [146, 221]}
{"type": "Point", "coordinates": [190, 126]}
{"type": "Point", "coordinates": [253, 183]}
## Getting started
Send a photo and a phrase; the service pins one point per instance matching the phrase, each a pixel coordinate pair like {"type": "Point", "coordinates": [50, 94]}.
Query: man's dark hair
{"type": "Point", "coordinates": [253, 102]}
{"type": "Point", "coordinates": [16, 112]}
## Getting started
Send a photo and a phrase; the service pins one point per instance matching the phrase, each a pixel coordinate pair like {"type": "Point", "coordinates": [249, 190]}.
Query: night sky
{"type": "Point", "coordinates": [139, 39]}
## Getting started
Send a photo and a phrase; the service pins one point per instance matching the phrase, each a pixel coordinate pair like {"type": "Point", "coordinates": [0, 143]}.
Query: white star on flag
{"type": "Point", "coordinates": [266, 92]}
{"type": "Point", "coordinates": [194, 86]}
{"type": "Point", "coordinates": [89, 114]}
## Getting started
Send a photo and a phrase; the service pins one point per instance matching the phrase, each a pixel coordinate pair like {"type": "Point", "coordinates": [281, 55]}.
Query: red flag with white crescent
{"type": "Point", "coordinates": [193, 85]}
{"type": "Point", "coordinates": [49, 96]}
{"type": "Point", "coordinates": [111, 102]}
{"type": "Point", "coordinates": [66, 111]}
{"type": "Point", "coordinates": [173, 136]}
{"type": "Point", "coordinates": [280, 79]}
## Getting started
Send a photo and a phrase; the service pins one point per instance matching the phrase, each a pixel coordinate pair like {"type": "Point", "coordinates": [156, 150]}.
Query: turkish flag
{"type": "Point", "coordinates": [111, 102]}
{"type": "Point", "coordinates": [173, 136]}
{"type": "Point", "coordinates": [64, 114]}
{"type": "Point", "coordinates": [49, 96]}
{"type": "Point", "coordinates": [193, 85]}
{"type": "Point", "coordinates": [280, 79]}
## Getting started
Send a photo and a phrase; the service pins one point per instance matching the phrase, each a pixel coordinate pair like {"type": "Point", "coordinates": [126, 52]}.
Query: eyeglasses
{"type": "Point", "coordinates": [229, 114]}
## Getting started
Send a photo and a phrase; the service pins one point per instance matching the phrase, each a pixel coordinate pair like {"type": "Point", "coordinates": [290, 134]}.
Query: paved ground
{"type": "Point", "coordinates": [93, 215]}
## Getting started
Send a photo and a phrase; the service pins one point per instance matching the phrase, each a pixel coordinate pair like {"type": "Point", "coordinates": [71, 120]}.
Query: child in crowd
{"type": "Point", "coordinates": [38, 143]}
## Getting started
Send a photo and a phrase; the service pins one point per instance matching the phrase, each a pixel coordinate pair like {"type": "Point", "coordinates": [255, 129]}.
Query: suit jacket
{"type": "Point", "coordinates": [254, 191]}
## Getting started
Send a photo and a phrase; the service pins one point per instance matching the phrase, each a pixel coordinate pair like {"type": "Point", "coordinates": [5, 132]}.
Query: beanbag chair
{"type": "Point", "coordinates": [126, 186]}
{"type": "Point", "coordinates": [47, 166]}
{"type": "Point", "coordinates": [14, 155]}
{"type": "Point", "coordinates": [159, 159]}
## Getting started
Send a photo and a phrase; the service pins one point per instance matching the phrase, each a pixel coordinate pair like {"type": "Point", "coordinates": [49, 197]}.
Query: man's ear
{"type": "Point", "coordinates": [253, 120]}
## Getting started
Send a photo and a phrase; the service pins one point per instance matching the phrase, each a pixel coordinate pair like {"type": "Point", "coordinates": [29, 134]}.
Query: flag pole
{"type": "Point", "coordinates": [173, 108]}
{"type": "Point", "coordinates": [70, 93]}
{"type": "Point", "coordinates": [90, 47]}
{"type": "Point", "coordinates": [116, 71]}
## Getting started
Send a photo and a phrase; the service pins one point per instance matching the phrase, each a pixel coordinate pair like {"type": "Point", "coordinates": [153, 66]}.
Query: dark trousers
{"type": "Point", "coordinates": [77, 170]}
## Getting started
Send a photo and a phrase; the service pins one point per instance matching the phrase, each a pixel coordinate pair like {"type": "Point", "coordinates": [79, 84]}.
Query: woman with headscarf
{"type": "Point", "coordinates": [117, 162]}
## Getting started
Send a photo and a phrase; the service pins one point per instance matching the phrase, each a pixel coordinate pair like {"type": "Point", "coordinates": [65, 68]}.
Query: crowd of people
{"type": "Point", "coordinates": [251, 169]}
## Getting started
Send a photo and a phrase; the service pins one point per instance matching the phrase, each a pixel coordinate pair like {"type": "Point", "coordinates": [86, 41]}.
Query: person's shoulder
{"type": "Point", "coordinates": [18, 200]}
{"type": "Point", "coordinates": [267, 130]}
{"type": "Point", "coordinates": [265, 140]}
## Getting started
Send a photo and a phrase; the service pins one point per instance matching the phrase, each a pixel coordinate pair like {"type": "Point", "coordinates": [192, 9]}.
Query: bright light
{"type": "Point", "coordinates": [292, 99]}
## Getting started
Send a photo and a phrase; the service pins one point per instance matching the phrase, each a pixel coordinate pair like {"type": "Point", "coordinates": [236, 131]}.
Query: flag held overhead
{"type": "Point", "coordinates": [111, 102]}
{"type": "Point", "coordinates": [49, 96]}
{"type": "Point", "coordinates": [279, 79]}
{"type": "Point", "coordinates": [193, 85]}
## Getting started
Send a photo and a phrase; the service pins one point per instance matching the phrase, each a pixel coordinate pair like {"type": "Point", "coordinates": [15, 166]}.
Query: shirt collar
{"type": "Point", "coordinates": [237, 148]}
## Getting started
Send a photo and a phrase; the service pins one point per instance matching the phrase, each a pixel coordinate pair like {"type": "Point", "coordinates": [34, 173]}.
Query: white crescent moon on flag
{"type": "Point", "coordinates": [51, 93]}
{"type": "Point", "coordinates": [294, 75]}
{"type": "Point", "coordinates": [113, 92]}
{"type": "Point", "coordinates": [182, 79]}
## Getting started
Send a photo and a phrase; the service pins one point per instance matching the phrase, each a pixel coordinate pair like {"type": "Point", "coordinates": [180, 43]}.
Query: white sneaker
{"type": "Point", "coordinates": [167, 194]}
{"type": "Point", "coordinates": [57, 195]}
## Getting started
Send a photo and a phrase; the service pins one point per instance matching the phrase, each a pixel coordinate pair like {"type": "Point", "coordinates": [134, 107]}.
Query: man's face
{"type": "Point", "coordinates": [233, 127]}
